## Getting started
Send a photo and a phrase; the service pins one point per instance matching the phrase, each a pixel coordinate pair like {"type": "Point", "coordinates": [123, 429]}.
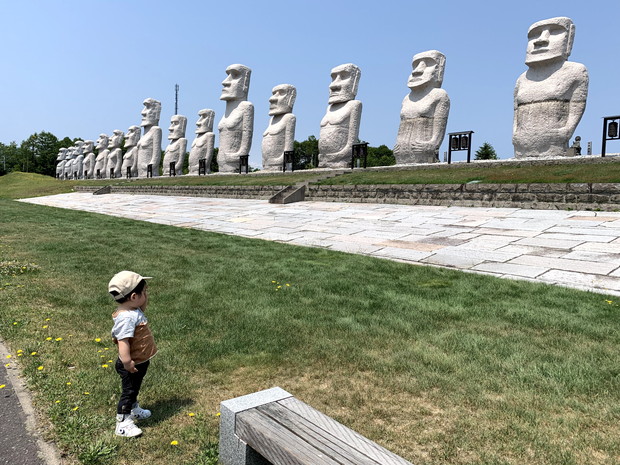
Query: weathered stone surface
{"type": "Point", "coordinates": [280, 134]}
{"type": "Point", "coordinates": [175, 152]}
{"type": "Point", "coordinates": [130, 159]}
{"type": "Point", "coordinates": [115, 155]}
{"type": "Point", "coordinates": [149, 146]}
{"type": "Point", "coordinates": [550, 97]}
{"type": "Point", "coordinates": [101, 161]}
{"type": "Point", "coordinates": [341, 124]}
{"type": "Point", "coordinates": [89, 159]}
{"type": "Point", "coordinates": [237, 125]}
{"type": "Point", "coordinates": [424, 111]}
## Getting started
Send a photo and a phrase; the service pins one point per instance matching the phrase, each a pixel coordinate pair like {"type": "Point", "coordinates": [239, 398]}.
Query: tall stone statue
{"type": "Point", "coordinates": [340, 126]}
{"type": "Point", "coordinates": [149, 146]}
{"type": "Point", "coordinates": [424, 111]}
{"type": "Point", "coordinates": [78, 161]}
{"type": "Point", "coordinates": [280, 133]}
{"type": "Point", "coordinates": [175, 152]}
{"type": "Point", "coordinates": [202, 147]}
{"type": "Point", "coordinates": [68, 169]}
{"type": "Point", "coordinates": [237, 125]}
{"type": "Point", "coordinates": [89, 159]}
{"type": "Point", "coordinates": [550, 97]}
{"type": "Point", "coordinates": [60, 166]}
{"type": "Point", "coordinates": [115, 155]}
{"type": "Point", "coordinates": [130, 159]}
{"type": "Point", "coordinates": [101, 161]}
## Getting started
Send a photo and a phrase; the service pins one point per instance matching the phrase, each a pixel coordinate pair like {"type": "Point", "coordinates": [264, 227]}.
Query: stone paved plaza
{"type": "Point", "coordinates": [579, 249]}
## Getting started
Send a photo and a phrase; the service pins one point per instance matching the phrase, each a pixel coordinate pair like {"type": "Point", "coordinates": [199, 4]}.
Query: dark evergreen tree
{"type": "Point", "coordinates": [486, 152]}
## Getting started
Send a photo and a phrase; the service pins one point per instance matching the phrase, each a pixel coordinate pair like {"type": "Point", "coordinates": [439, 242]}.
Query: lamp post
{"type": "Point", "coordinates": [610, 131]}
{"type": "Point", "coordinates": [458, 141]}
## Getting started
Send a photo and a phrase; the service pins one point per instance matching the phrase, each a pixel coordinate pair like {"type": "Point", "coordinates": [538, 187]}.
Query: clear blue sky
{"type": "Point", "coordinates": [78, 68]}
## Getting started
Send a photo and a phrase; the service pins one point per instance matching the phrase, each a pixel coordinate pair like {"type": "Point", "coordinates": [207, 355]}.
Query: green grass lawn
{"type": "Point", "coordinates": [436, 365]}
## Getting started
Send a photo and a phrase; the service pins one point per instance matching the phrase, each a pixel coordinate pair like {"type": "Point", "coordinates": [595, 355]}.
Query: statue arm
{"type": "Point", "coordinates": [247, 131]}
{"type": "Point", "coordinates": [156, 147]}
{"type": "Point", "coordinates": [210, 145]}
{"type": "Point", "coordinates": [440, 122]}
{"type": "Point", "coordinates": [354, 127]}
{"type": "Point", "coordinates": [289, 138]}
{"type": "Point", "coordinates": [577, 102]}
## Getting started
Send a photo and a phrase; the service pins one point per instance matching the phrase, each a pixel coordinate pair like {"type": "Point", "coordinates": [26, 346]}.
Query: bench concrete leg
{"type": "Point", "coordinates": [233, 451]}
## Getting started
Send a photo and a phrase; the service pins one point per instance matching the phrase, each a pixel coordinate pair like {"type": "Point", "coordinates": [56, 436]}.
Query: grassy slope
{"type": "Point", "coordinates": [22, 185]}
{"type": "Point", "coordinates": [438, 366]}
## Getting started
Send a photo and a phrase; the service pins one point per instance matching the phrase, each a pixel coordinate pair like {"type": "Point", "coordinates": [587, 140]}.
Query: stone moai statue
{"type": "Point", "coordinates": [101, 161]}
{"type": "Point", "coordinates": [78, 161]}
{"type": "Point", "coordinates": [149, 146]}
{"type": "Point", "coordinates": [237, 125]}
{"type": "Point", "coordinates": [340, 126]}
{"type": "Point", "coordinates": [68, 168]}
{"type": "Point", "coordinates": [280, 134]}
{"type": "Point", "coordinates": [89, 159]}
{"type": "Point", "coordinates": [175, 152]}
{"type": "Point", "coordinates": [115, 155]}
{"type": "Point", "coordinates": [202, 147]}
{"type": "Point", "coordinates": [550, 97]}
{"type": "Point", "coordinates": [424, 111]}
{"type": "Point", "coordinates": [60, 166]}
{"type": "Point", "coordinates": [130, 159]}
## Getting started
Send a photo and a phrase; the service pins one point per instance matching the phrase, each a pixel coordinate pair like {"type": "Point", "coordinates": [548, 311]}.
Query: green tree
{"type": "Point", "coordinates": [380, 156]}
{"type": "Point", "coordinates": [10, 156]}
{"type": "Point", "coordinates": [306, 153]}
{"type": "Point", "coordinates": [486, 152]}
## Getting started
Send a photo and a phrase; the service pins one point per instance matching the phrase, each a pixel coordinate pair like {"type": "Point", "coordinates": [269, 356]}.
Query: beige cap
{"type": "Point", "coordinates": [123, 283]}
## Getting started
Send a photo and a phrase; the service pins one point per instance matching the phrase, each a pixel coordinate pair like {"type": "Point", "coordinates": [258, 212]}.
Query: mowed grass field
{"type": "Point", "coordinates": [436, 365]}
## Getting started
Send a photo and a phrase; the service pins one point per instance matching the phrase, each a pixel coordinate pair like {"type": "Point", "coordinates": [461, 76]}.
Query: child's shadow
{"type": "Point", "coordinates": [166, 408]}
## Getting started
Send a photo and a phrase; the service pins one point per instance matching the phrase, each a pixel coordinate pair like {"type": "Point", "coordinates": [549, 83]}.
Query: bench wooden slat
{"type": "Point", "coordinates": [323, 440]}
{"type": "Point", "coordinates": [274, 442]}
{"type": "Point", "coordinates": [346, 435]}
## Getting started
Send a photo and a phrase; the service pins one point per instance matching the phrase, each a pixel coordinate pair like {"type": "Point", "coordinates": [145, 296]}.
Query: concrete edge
{"type": "Point", "coordinates": [48, 452]}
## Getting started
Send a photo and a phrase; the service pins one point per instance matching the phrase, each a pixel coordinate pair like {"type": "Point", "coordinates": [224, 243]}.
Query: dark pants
{"type": "Point", "coordinates": [130, 382]}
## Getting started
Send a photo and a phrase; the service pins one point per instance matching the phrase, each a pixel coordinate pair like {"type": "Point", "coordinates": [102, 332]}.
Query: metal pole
{"type": "Point", "coordinates": [176, 99]}
{"type": "Point", "coordinates": [604, 137]}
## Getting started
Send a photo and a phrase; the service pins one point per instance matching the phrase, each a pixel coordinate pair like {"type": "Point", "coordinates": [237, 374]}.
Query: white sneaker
{"type": "Point", "coordinates": [126, 427]}
{"type": "Point", "coordinates": [138, 413]}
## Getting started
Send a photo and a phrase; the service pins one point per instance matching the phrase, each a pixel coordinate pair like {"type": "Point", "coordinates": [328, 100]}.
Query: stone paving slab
{"type": "Point", "coordinates": [579, 249]}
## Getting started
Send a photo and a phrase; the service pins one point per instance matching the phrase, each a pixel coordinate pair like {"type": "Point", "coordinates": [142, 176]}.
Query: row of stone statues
{"type": "Point", "coordinates": [549, 101]}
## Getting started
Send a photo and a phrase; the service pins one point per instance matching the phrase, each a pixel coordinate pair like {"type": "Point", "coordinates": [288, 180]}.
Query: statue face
{"type": "Point", "coordinates": [427, 69]}
{"type": "Point", "coordinates": [78, 145]}
{"type": "Point", "coordinates": [343, 87]}
{"type": "Point", "coordinates": [116, 140]}
{"type": "Point", "coordinates": [61, 154]}
{"type": "Point", "coordinates": [150, 112]}
{"type": "Point", "coordinates": [236, 84]}
{"type": "Point", "coordinates": [549, 40]}
{"type": "Point", "coordinates": [205, 121]}
{"type": "Point", "coordinates": [89, 145]}
{"type": "Point", "coordinates": [102, 142]}
{"type": "Point", "coordinates": [282, 99]}
{"type": "Point", "coordinates": [177, 127]}
{"type": "Point", "coordinates": [133, 136]}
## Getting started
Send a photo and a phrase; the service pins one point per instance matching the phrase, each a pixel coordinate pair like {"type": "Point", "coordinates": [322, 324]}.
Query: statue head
{"type": "Point", "coordinates": [69, 153]}
{"type": "Point", "coordinates": [177, 127]}
{"type": "Point", "coordinates": [79, 144]}
{"type": "Point", "coordinates": [132, 137]}
{"type": "Point", "coordinates": [89, 146]}
{"type": "Point", "coordinates": [550, 40]}
{"type": "Point", "coordinates": [282, 99]}
{"type": "Point", "coordinates": [428, 68]}
{"type": "Point", "coordinates": [237, 83]}
{"type": "Point", "coordinates": [116, 140]}
{"type": "Point", "coordinates": [150, 112]}
{"type": "Point", "coordinates": [345, 79]}
{"type": "Point", "coordinates": [205, 121]}
{"type": "Point", "coordinates": [62, 152]}
{"type": "Point", "coordinates": [102, 142]}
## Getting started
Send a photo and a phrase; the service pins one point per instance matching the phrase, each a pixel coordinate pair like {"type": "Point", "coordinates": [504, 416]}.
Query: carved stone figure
{"type": "Point", "coordinates": [280, 133]}
{"type": "Point", "coordinates": [341, 124]}
{"type": "Point", "coordinates": [149, 146]}
{"type": "Point", "coordinates": [550, 97]}
{"type": "Point", "coordinates": [130, 159]}
{"type": "Point", "coordinates": [202, 146]}
{"type": "Point", "coordinates": [424, 111]}
{"type": "Point", "coordinates": [115, 155]}
{"type": "Point", "coordinates": [237, 125]}
{"type": "Point", "coordinates": [101, 161]}
{"type": "Point", "coordinates": [60, 167]}
{"type": "Point", "coordinates": [89, 159]}
{"type": "Point", "coordinates": [175, 152]}
{"type": "Point", "coordinates": [78, 162]}
{"type": "Point", "coordinates": [68, 168]}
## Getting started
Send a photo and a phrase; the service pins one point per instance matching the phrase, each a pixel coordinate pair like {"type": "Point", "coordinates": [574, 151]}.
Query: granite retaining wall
{"type": "Point", "coordinates": [228, 192]}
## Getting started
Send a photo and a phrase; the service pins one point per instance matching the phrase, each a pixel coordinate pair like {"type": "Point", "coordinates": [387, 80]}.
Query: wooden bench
{"type": "Point", "coordinates": [273, 427]}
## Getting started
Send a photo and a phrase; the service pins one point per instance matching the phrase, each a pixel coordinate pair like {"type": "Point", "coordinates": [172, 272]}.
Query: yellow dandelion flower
{"type": "Point", "coordinates": [75, 408]}
{"type": "Point", "coordinates": [14, 323]}
{"type": "Point", "coordinates": [217, 414]}
{"type": "Point", "coordinates": [40, 368]}
{"type": "Point", "coordinates": [58, 402]}
{"type": "Point", "coordinates": [191, 414]}
{"type": "Point", "coordinates": [48, 338]}
{"type": "Point", "coordinates": [19, 351]}
{"type": "Point", "coordinates": [47, 319]}
{"type": "Point", "coordinates": [288, 285]}
{"type": "Point", "coordinates": [609, 302]}
{"type": "Point", "coordinates": [8, 356]}
{"type": "Point", "coordinates": [2, 386]}
{"type": "Point", "coordinates": [58, 339]}
{"type": "Point", "coordinates": [20, 355]}
{"type": "Point", "coordinates": [174, 443]}
{"type": "Point", "coordinates": [106, 348]}
{"type": "Point", "coordinates": [69, 383]}
{"type": "Point", "coordinates": [33, 353]}
{"type": "Point", "coordinates": [6, 365]}
{"type": "Point", "coordinates": [45, 326]}
{"type": "Point", "coordinates": [110, 361]}
{"type": "Point", "coordinates": [105, 365]}
{"type": "Point", "coordinates": [99, 351]}
{"type": "Point", "coordinates": [97, 339]}
{"type": "Point", "coordinates": [87, 393]}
